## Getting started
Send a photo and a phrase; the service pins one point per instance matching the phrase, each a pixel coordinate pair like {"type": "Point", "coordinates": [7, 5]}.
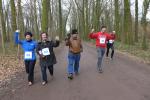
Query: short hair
{"type": "Point", "coordinates": [74, 31]}
{"type": "Point", "coordinates": [103, 27]}
{"type": "Point", "coordinates": [28, 33]}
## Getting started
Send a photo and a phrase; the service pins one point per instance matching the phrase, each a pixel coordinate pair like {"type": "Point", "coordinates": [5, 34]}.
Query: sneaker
{"type": "Point", "coordinates": [100, 71]}
{"type": "Point", "coordinates": [70, 76]}
{"type": "Point", "coordinates": [111, 58]}
{"type": "Point", "coordinates": [44, 83]}
{"type": "Point", "coordinates": [30, 83]}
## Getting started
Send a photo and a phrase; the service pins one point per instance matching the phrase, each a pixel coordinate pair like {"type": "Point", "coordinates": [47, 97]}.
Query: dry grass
{"type": "Point", "coordinates": [135, 50]}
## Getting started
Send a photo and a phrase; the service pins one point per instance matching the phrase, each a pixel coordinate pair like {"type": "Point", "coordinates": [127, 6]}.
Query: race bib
{"type": "Point", "coordinates": [111, 41]}
{"type": "Point", "coordinates": [28, 55]}
{"type": "Point", "coordinates": [45, 51]}
{"type": "Point", "coordinates": [102, 40]}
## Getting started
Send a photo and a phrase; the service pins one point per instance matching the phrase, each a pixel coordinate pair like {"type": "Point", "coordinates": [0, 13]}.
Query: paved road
{"type": "Point", "coordinates": [123, 79]}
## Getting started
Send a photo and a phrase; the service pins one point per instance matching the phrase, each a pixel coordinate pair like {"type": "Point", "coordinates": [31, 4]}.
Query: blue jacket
{"type": "Point", "coordinates": [28, 47]}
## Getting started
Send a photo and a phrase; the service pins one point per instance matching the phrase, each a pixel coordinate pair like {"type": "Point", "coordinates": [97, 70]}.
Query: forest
{"type": "Point", "coordinates": [58, 17]}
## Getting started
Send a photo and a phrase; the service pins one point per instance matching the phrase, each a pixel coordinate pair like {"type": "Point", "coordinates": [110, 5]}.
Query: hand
{"type": "Point", "coordinates": [114, 32]}
{"type": "Point", "coordinates": [92, 30]}
{"type": "Point", "coordinates": [42, 56]}
{"type": "Point", "coordinates": [18, 31]}
{"type": "Point", "coordinates": [57, 38]}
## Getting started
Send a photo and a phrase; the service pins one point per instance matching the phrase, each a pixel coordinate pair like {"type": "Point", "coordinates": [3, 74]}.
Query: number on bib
{"type": "Point", "coordinates": [45, 51]}
{"type": "Point", "coordinates": [102, 40]}
{"type": "Point", "coordinates": [111, 41]}
{"type": "Point", "coordinates": [28, 55]}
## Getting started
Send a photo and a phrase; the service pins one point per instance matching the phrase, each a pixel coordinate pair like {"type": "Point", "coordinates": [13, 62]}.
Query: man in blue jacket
{"type": "Point", "coordinates": [28, 45]}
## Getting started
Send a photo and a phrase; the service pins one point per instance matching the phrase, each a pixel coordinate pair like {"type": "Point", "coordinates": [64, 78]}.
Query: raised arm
{"type": "Point", "coordinates": [67, 40]}
{"type": "Point", "coordinates": [16, 38]}
{"type": "Point", "coordinates": [109, 36]}
{"type": "Point", "coordinates": [56, 43]}
{"type": "Point", "coordinates": [93, 35]}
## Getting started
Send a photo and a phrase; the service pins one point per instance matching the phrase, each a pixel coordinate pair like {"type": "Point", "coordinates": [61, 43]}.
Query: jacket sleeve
{"type": "Point", "coordinates": [36, 44]}
{"type": "Point", "coordinates": [81, 46]}
{"type": "Point", "coordinates": [67, 42]}
{"type": "Point", "coordinates": [109, 36]}
{"type": "Point", "coordinates": [38, 49]}
{"type": "Point", "coordinates": [114, 37]}
{"type": "Point", "coordinates": [56, 43]}
{"type": "Point", "coordinates": [93, 35]}
{"type": "Point", "coordinates": [16, 38]}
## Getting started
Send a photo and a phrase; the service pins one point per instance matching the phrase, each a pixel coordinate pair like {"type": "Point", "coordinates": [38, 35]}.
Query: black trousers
{"type": "Point", "coordinates": [110, 46]}
{"type": "Point", "coordinates": [29, 66]}
{"type": "Point", "coordinates": [44, 74]}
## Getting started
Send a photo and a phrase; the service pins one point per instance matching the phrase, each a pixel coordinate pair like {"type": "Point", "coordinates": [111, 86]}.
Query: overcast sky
{"type": "Point", "coordinates": [140, 8]}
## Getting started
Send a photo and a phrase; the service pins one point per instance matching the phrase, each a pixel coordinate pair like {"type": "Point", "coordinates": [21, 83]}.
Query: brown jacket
{"type": "Point", "coordinates": [74, 43]}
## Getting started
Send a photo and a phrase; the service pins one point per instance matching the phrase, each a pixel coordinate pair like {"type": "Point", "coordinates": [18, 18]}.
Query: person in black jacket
{"type": "Point", "coordinates": [47, 56]}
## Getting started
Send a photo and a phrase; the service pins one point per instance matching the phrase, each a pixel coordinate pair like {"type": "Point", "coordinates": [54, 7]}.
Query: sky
{"type": "Point", "coordinates": [132, 7]}
{"type": "Point", "coordinates": [140, 8]}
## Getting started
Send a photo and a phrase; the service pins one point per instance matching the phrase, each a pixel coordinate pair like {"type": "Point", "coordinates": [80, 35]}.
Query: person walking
{"type": "Point", "coordinates": [101, 38]}
{"type": "Point", "coordinates": [29, 46]}
{"type": "Point", "coordinates": [75, 48]}
{"type": "Point", "coordinates": [47, 56]}
{"type": "Point", "coordinates": [110, 45]}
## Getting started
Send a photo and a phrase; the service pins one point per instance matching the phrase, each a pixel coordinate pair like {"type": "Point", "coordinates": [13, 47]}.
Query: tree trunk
{"type": "Point", "coordinates": [45, 10]}
{"type": "Point", "coordinates": [117, 19]}
{"type": "Point", "coordinates": [136, 21]}
{"type": "Point", "coordinates": [20, 19]}
{"type": "Point", "coordinates": [13, 16]}
{"type": "Point", "coordinates": [1, 33]}
{"type": "Point", "coordinates": [60, 20]}
{"type": "Point", "coordinates": [128, 36]}
{"type": "Point", "coordinates": [3, 22]}
{"type": "Point", "coordinates": [146, 4]}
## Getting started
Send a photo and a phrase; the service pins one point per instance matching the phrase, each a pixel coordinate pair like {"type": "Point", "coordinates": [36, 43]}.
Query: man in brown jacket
{"type": "Point", "coordinates": [75, 48]}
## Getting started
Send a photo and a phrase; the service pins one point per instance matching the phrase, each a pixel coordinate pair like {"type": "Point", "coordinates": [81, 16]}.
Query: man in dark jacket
{"type": "Point", "coordinates": [110, 45]}
{"type": "Point", "coordinates": [47, 56]}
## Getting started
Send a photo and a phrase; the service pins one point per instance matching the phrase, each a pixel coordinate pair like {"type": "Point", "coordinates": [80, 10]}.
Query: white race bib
{"type": "Point", "coordinates": [45, 51]}
{"type": "Point", "coordinates": [102, 40]}
{"type": "Point", "coordinates": [28, 55]}
{"type": "Point", "coordinates": [111, 41]}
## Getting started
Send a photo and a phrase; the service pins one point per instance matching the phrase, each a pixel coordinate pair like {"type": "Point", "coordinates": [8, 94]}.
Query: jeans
{"type": "Point", "coordinates": [44, 74]}
{"type": "Point", "coordinates": [29, 65]}
{"type": "Point", "coordinates": [73, 62]}
{"type": "Point", "coordinates": [101, 52]}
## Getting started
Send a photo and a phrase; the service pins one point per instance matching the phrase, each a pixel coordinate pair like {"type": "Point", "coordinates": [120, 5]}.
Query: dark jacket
{"type": "Point", "coordinates": [50, 59]}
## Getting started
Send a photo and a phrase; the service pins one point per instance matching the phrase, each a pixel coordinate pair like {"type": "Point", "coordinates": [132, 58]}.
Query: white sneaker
{"type": "Point", "coordinates": [44, 83]}
{"type": "Point", "coordinates": [30, 83]}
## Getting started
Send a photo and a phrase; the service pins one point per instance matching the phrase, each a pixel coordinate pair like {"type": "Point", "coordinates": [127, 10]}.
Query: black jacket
{"type": "Point", "coordinates": [50, 59]}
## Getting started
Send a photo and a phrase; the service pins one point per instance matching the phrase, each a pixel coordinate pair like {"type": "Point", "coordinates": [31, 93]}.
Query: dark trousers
{"type": "Point", "coordinates": [44, 74]}
{"type": "Point", "coordinates": [110, 46]}
{"type": "Point", "coordinates": [29, 66]}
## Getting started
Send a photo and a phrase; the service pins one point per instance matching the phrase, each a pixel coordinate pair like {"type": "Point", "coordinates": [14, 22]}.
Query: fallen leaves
{"type": "Point", "coordinates": [9, 66]}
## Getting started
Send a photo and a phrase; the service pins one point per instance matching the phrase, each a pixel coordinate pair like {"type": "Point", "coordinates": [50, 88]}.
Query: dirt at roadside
{"type": "Point", "coordinates": [10, 67]}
